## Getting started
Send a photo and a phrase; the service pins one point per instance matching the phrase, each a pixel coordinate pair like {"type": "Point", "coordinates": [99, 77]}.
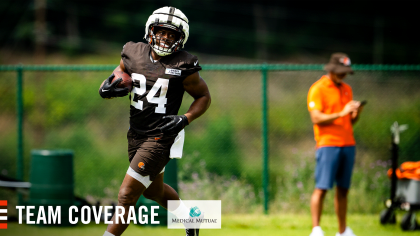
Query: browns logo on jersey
{"type": "Point", "coordinates": [157, 86]}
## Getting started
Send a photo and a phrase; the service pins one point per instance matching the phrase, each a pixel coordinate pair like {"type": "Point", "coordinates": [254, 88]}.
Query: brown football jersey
{"type": "Point", "coordinates": [157, 86]}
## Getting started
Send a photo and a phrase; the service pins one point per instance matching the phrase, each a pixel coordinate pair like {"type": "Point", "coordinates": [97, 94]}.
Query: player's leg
{"type": "Point", "coordinates": [136, 181]}
{"type": "Point", "coordinates": [325, 172]}
{"type": "Point", "coordinates": [147, 158]}
{"type": "Point", "coordinates": [161, 192]}
{"type": "Point", "coordinates": [347, 158]}
{"type": "Point", "coordinates": [129, 193]}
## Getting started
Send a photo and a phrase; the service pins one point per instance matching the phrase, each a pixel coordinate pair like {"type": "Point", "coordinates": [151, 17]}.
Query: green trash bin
{"type": "Point", "coordinates": [171, 178]}
{"type": "Point", "coordinates": [52, 184]}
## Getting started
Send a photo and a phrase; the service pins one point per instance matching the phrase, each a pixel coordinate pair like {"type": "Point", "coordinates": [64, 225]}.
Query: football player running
{"type": "Point", "coordinates": [161, 72]}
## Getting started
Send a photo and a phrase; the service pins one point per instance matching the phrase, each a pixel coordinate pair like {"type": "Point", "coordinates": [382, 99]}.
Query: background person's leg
{"type": "Point", "coordinates": [340, 203]}
{"type": "Point", "coordinates": [347, 159]}
{"type": "Point", "coordinates": [325, 172]}
{"type": "Point", "coordinates": [317, 201]}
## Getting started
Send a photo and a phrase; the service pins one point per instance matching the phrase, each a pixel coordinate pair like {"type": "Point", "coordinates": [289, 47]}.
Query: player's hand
{"type": "Point", "coordinates": [110, 90]}
{"type": "Point", "coordinates": [350, 107]}
{"type": "Point", "coordinates": [174, 125]}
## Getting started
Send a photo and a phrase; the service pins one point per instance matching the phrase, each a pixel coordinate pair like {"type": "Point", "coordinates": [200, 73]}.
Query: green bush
{"type": "Point", "coordinates": [215, 148]}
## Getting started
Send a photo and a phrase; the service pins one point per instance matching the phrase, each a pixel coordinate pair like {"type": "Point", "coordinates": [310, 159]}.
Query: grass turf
{"type": "Point", "coordinates": [232, 225]}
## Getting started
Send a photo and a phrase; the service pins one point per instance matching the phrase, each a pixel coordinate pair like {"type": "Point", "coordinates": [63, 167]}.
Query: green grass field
{"type": "Point", "coordinates": [232, 225]}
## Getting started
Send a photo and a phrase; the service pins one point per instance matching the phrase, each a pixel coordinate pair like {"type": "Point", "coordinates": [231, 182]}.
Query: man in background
{"type": "Point", "coordinates": [333, 113]}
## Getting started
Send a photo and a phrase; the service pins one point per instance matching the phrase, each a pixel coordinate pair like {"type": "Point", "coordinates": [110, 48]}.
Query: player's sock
{"type": "Point", "coordinates": [182, 210]}
{"type": "Point", "coordinates": [108, 234]}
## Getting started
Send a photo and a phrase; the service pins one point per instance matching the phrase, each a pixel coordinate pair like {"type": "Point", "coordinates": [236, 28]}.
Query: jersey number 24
{"type": "Point", "coordinates": [160, 101]}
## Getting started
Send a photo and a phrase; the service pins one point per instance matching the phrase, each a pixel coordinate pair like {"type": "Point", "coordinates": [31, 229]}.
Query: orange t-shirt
{"type": "Point", "coordinates": [328, 98]}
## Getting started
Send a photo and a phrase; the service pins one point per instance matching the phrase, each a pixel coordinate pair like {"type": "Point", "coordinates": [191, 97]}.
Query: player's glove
{"type": "Point", "coordinates": [110, 90]}
{"type": "Point", "coordinates": [175, 124]}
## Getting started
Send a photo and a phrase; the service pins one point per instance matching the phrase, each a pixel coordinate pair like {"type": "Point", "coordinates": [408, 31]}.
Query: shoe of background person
{"type": "Point", "coordinates": [347, 232]}
{"type": "Point", "coordinates": [192, 232]}
{"type": "Point", "coordinates": [317, 231]}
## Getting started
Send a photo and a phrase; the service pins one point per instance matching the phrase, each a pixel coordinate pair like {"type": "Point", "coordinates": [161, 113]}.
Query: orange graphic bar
{"type": "Point", "coordinates": [3, 203]}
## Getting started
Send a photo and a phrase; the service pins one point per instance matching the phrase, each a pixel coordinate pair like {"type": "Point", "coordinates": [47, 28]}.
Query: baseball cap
{"type": "Point", "coordinates": [339, 63]}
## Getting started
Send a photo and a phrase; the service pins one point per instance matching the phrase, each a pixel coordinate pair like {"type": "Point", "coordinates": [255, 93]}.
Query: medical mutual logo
{"type": "Point", "coordinates": [195, 212]}
{"type": "Point", "coordinates": [202, 214]}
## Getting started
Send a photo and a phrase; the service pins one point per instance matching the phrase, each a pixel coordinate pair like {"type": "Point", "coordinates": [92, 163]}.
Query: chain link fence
{"type": "Point", "coordinates": [223, 152]}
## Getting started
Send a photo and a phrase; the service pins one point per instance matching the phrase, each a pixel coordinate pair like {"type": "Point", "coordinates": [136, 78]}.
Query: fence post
{"type": "Point", "coordinates": [19, 104]}
{"type": "Point", "coordinates": [265, 136]}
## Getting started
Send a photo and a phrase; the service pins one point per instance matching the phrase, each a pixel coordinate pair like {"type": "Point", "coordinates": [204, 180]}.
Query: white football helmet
{"type": "Point", "coordinates": [171, 18]}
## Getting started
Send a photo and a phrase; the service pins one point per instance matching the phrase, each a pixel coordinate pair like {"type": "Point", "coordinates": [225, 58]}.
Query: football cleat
{"type": "Point", "coordinates": [192, 232]}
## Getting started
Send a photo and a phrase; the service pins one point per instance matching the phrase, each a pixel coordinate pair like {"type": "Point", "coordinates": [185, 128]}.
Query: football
{"type": "Point", "coordinates": [126, 80]}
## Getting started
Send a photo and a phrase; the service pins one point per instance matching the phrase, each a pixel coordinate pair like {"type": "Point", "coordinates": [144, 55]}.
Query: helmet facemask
{"type": "Point", "coordinates": [165, 46]}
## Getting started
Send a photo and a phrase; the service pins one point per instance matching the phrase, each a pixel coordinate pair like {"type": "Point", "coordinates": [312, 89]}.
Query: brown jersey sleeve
{"type": "Point", "coordinates": [190, 64]}
{"type": "Point", "coordinates": [130, 54]}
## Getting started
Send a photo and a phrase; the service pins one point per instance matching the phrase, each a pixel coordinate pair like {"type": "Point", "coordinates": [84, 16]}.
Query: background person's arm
{"type": "Point", "coordinates": [321, 118]}
{"type": "Point", "coordinates": [356, 114]}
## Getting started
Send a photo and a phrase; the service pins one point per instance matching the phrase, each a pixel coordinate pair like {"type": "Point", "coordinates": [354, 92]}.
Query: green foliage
{"type": "Point", "coordinates": [237, 195]}
{"type": "Point", "coordinates": [222, 156]}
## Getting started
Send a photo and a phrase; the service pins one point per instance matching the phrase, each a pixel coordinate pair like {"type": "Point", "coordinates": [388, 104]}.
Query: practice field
{"type": "Point", "coordinates": [232, 225]}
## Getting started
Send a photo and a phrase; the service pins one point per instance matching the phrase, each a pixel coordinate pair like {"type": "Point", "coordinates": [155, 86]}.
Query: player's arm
{"type": "Point", "coordinates": [109, 89]}
{"type": "Point", "coordinates": [197, 88]}
{"type": "Point", "coordinates": [321, 118]}
{"type": "Point", "coordinates": [121, 67]}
